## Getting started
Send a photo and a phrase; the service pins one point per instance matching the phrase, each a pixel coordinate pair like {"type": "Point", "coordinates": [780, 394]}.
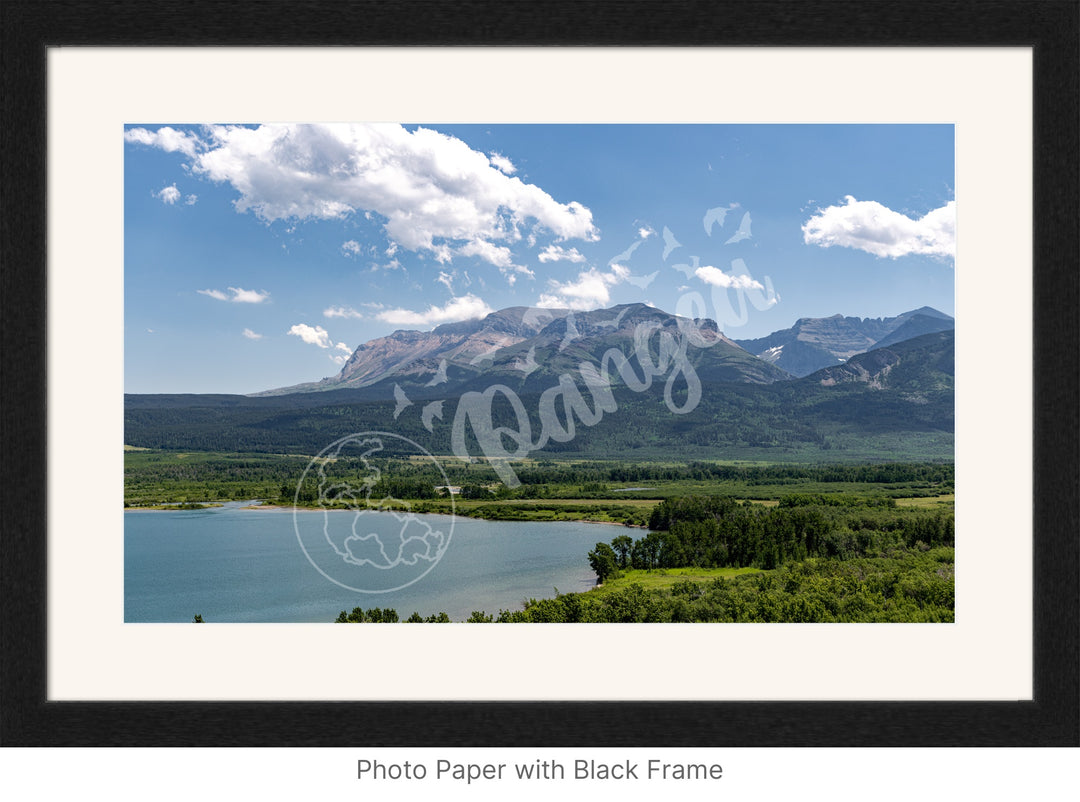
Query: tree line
{"type": "Point", "coordinates": [907, 585]}
{"type": "Point", "coordinates": [716, 532]}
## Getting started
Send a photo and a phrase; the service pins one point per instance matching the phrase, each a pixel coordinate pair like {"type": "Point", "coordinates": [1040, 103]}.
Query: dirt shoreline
{"type": "Point", "coordinates": [280, 508]}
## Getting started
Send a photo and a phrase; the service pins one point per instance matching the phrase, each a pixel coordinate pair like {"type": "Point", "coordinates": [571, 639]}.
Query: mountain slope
{"type": "Point", "coordinates": [920, 368]}
{"type": "Point", "coordinates": [816, 343]}
{"type": "Point", "coordinates": [889, 403]}
{"type": "Point", "coordinates": [593, 338]}
{"type": "Point", "coordinates": [916, 326]}
{"type": "Point", "coordinates": [414, 353]}
{"type": "Point", "coordinates": [527, 348]}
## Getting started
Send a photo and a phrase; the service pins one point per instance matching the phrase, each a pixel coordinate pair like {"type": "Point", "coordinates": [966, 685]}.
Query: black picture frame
{"type": "Point", "coordinates": [1051, 28]}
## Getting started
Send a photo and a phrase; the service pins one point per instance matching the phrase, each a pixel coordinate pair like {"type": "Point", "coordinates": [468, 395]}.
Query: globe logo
{"type": "Point", "coordinates": [352, 530]}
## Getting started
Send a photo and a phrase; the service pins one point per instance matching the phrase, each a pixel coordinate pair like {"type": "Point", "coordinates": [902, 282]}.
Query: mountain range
{"type": "Point", "coordinates": [892, 399]}
{"type": "Point", "coordinates": [526, 348]}
{"type": "Point", "coordinates": [814, 343]}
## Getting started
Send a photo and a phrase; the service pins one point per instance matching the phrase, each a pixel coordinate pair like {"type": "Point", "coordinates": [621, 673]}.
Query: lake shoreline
{"type": "Point", "coordinates": [282, 508]}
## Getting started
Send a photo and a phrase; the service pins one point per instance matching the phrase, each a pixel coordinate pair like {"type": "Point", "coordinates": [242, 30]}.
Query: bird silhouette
{"type": "Point", "coordinates": [717, 216]}
{"type": "Point", "coordinates": [641, 282]}
{"type": "Point", "coordinates": [401, 399]}
{"type": "Point", "coordinates": [429, 413]}
{"type": "Point", "coordinates": [528, 365]}
{"type": "Point", "coordinates": [622, 257]}
{"type": "Point", "coordinates": [670, 243]}
{"type": "Point", "coordinates": [743, 232]}
{"type": "Point", "coordinates": [571, 332]}
{"type": "Point", "coordinates": [614, 323]}
{"type": "Point", "coordinates": [440, 375]}
{"type": "Point", "coordinates": [488, 354]}
{"type": "Point", "coordinates": [688, 270]}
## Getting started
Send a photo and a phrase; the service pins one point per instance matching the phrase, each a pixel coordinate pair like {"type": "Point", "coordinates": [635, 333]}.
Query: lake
{"type": "Point", "coordinates": [229, 564]}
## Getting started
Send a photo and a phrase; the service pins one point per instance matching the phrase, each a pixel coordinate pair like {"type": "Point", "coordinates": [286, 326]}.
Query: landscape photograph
{"type": "Point", "coordinates": [539, 373]}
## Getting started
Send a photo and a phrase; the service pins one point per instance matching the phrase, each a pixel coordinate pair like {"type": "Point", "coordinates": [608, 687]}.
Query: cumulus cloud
{"type": "Point", "coordinates": [869, 226]}
{"type": "Point", "coordinates": [556, 253]}
{"type": "Point", "coordinates": [434, 192]}
{"type": "Point", "coordinates": [718, 278]}
{"type": "Point", "coordinates": [467, 307]}
{"type": "Point", "coordinates": [169, 195]}
{"type": "Point", "coordinates": [502, 163]}
{"type": "Point", "coordinates": [312, 335]}
{"type": "Point", "coordinates": [239, 295]}
{"type": "Point", "coordinates": [190, 200]}
{"type": "Point", "coordinates": [393, 264]}
{"type": "Point", "coordinates": [645, 232]}
{"type": "Point", "coordinates": [498, 255]}
{"type": "Point", "coordinates": [317, 335]}
{"type": "Point", "coordinates": [252, 335]}
{"type": "Point", "coordinates": [341, 311]}
{"type": "Point", "coordinates": [514, 271]}
{"type": "Point", "coordinates": [165, 138]}
{"type": "Point", "coordinates": [590, 290]}
{"type": "Point", "coordinates": [351, 248]}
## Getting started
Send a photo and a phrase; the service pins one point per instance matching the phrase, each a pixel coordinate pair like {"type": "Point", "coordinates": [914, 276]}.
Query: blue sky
{"type": "Point", "coordinates": [261, 256]}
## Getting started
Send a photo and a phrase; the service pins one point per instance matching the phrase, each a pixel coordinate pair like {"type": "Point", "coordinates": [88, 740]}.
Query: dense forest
{"type": "Point", "coordinates": [819, 558]}
{"type": "Point", "coordinates": [167, 477]}
{"type": "Point", "coordinates": [910, 585]}
{"type": "Point", "coordinates": [711, 532]}
{"type": "Point", "coordinates": [797, 421]}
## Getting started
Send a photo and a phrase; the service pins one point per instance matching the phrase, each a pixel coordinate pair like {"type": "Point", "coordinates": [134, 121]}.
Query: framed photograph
{"type": "Point", "coordinates": [394, 331]}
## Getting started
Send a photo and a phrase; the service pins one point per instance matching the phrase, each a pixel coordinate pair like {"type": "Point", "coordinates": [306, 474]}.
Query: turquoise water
{"type": "Point", "coordinates": [234, 565]}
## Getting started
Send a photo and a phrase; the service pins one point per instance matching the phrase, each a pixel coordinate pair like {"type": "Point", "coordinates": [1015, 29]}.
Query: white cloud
{"type": "Point", "coordinates": [431, 189]}
{"type": "Point", "coordinates": [338, 360]}
{"type": "Point", "coordinates": [502, 163]}
{"type": "Point", "coordinates": [341, 311]}
{"type": "Point", "coordinates": [446, 279]}
{"type": "Point", "coordinates": [514, 271]}
{"type": "Point", "coordinates": [590, 290]}
{"type": "Point", "coordinates": [317, 335]}
{"type": "Point", "coordinates": [467, 307]}
{"type": "Point", "coordinates": [393, 264]}
{"type": "Point", "coordinates": [498, 255]}
{"type": "Point", "coordinates": [869, 226]}
{"type": "Point", "coordinates": [718, 278]}
{"type": "Point", "coordinates": [645, 232]}
{"type": "Point", "coordinates": [166, 138]}
{"type": "Point", "coordinates": [190, 200]}
{"type": "Point", "coordinates": [351, 248]}
{"type": "Point", "coordinates": [252, 335]}
{"type": "Point", "coordinates": [239, 295]}
{"type": "Point", "coordinates": [555, 253]}
{"type": "Point", "coordinates": [169, 195]}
